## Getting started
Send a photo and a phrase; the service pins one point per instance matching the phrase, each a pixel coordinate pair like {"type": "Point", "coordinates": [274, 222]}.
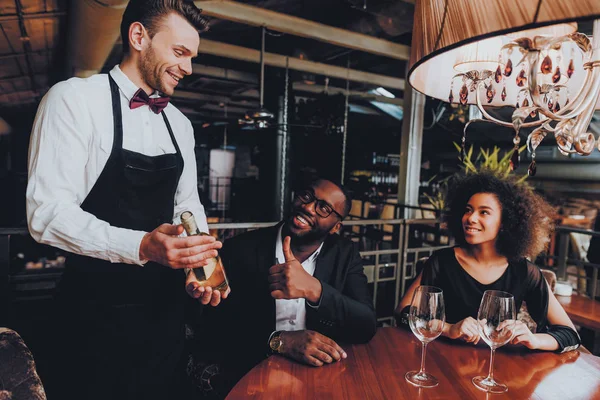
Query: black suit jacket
{"type": "Point", "coordinates": [236, 332]}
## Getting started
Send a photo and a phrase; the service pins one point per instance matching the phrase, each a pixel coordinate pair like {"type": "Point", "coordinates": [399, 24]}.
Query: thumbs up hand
{"type": "Point", "coordinates": [291, 281]}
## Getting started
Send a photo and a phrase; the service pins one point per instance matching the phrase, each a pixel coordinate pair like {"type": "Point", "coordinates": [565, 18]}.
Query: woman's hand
{"type": "Point", "coordinates": [466, 330]}
{"type": "Point", "coordinates": [523, 336]}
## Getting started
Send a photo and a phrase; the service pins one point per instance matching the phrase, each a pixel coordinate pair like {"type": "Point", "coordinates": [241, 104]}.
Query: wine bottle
{"type": "Point", "coordinates": [212, 274]}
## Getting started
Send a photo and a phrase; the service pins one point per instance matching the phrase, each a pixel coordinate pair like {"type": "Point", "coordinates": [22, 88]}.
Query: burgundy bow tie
{"type": "Point", "coordinates": [141, 98]}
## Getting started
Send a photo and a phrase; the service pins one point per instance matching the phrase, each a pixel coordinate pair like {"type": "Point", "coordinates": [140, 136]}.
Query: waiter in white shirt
{"type": "Point", "coordinates": [111, 164]}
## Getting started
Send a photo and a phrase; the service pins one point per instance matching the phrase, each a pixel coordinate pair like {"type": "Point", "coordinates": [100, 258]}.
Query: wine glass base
{"type": "Point", "coordinates": [489, 385]}
{"type": "Point", "coordinates": [423, 380]}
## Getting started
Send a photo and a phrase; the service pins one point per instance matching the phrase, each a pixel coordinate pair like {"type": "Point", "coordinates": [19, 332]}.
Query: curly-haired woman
{"type": "Point", "coordinates": [499, 225]}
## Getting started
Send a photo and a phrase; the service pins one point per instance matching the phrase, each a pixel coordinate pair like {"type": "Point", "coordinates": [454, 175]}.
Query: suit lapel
{"type": "Point", "coordinates": [323, 272]}
{"type": "Point", "coordinates": [265, 251]}
{"type": "Point", "coordinates": [326, 260]}
{"type": "Point", "coordinates": [265, 259]}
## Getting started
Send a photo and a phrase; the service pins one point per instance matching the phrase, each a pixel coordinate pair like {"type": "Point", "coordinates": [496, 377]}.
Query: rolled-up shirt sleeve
{"type": "Point", "coordinates": [186, 197]}
{"type": "Point", "coordinates": [58, 155]}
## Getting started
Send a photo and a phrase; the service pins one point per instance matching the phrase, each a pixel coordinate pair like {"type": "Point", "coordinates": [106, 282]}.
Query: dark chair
{"type": "Point", "coordinates": [523, 314]}
{"type": "Point", "coordinates": [18, 375]}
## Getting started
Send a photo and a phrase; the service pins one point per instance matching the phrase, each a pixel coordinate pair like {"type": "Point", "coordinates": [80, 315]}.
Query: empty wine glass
{"type": "Point", "coordinates": [496, 319]}
{"type": "Point", "coordinates": [426, 319]}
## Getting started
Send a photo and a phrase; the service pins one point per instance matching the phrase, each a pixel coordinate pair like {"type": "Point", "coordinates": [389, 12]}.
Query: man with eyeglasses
{"type": "Point", "coordinates": [299, 288]}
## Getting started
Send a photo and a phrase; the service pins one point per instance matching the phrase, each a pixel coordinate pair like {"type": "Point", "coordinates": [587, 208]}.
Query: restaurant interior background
{"type": "Point", "coordinates": [246, 172]}
{"type": "Point", "coordinates": [39, 48]}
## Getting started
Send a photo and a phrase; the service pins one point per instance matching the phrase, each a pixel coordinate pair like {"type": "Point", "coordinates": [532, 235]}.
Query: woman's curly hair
{"type": "Point", "coordinates": [527, 219]}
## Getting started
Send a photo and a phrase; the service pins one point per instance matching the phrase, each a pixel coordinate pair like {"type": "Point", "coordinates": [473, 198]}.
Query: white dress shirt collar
{"type": "Point", "coordinates": [128, 88]}
{"type": "Point", "coordinates": [279, 250]}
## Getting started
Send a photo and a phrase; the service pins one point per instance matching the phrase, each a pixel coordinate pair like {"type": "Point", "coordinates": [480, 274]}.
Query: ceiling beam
{"type": "Point", "coordinates": [306, 88]}
{"type": "Point", "coordinates": [190, 113]}
{"type": "Point", "coordinates": [185, 95]}
{"type": "Point", "coordinates": [40, 15]}
{"type": "Point", "coordinates": [224, 73]}
{"type": "Point", "coordinates": [17, 55]}
{"type": "Point", "coordinates": [358, 109]}
{"type": "Point", "coordinates": [277, 60]}
{"type": "Point", "coordinates": [230, 110]}
{"type": "Point", "coordinates": [256, 16]}
{"type": "Point", "coordinates": [237, 95]}
{"type": "Point", "coordinates": [228, 74]}
{"type": "Point", "coordinates": [210, 103]}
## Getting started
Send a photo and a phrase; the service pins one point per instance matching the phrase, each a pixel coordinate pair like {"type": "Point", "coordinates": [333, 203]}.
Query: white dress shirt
{"type": "Point", "coordinates": [70, 144]}
{"type": "Point", "coordinates": [290, 315]}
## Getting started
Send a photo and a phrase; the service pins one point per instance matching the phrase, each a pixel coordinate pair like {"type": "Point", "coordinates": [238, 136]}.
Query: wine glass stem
{"type": "Point", "coordinates": [491, 373]}
{"type": "Point", "coordinates": [422, 370]}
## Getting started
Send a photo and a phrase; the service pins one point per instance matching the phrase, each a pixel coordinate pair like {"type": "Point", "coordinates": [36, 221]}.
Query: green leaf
{"type": "Point", "coordinates": [506, 157]}
{"type": "Point", "coordinates": [437, 202]}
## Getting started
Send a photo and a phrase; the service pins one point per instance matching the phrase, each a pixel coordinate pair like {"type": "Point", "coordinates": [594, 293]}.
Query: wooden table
{"type": "Point", "coordinates": [376, 371]}
{"type": "Point", "coordinates": [582, 311]}
{"type": "Point", "coordinates": [585, 313]}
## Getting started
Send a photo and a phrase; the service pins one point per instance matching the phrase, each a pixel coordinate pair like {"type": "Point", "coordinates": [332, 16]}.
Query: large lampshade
{"type": "Point", "coordinates": [442, 25]}
{"type": "Point", "coordinates": [520, 53]}
{"type": "Point", "coordinates": [434, 74]}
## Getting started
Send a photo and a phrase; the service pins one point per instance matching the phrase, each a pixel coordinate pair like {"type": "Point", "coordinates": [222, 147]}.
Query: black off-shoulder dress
{"type": "Point", "coordinates": [463, 293]}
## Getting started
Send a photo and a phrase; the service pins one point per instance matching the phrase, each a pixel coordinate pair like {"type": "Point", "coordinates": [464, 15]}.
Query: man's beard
{"type": "Point", "coordinates": [146, 66]}
{"type": "Point", "coordinates": [305, 237]}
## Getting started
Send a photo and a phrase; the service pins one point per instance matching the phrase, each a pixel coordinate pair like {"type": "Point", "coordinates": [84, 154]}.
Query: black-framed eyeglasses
{"type": "Point", "coordinates": [322, 208]}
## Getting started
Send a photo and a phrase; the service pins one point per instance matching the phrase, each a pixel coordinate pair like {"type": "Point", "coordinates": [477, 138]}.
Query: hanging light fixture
{"type": "Point", "coordinates": [525, 54]}
{"type": "Point", "coordinates": [260, 117]}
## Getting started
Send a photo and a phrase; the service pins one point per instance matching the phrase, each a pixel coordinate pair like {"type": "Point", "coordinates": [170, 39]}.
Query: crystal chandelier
{"type": "Point", "coordinates": [549, 74]}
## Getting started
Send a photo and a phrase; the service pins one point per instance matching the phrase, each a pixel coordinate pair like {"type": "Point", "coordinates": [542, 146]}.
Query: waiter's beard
{"type": "Point", "coordinates": [147, 64]}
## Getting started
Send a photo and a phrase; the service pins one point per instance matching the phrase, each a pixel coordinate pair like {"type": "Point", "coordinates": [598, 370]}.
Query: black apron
{"type": "Point", "coordinates": [124, 324]}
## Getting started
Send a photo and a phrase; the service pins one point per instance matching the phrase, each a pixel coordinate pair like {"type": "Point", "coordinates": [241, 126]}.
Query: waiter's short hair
{"type": "Point", "coordinates": [150, 12]}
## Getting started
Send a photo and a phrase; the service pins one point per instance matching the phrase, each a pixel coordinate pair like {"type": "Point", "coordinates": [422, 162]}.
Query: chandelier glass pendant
{"type": "Point", "coordinates": [508, 53]}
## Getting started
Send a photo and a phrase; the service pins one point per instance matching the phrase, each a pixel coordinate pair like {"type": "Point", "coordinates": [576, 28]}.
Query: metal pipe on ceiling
{"type": "Point", "coordinates": [283, 144]}
{"type": "Point", "coordinates": [26, 46]}
{"type": "Point", "coordinates": [212, 98]}
{"type": "Point", "coordinates": [557, 171]}
{"type": "Point", "coordinates": [27, 16]}
{"type": "Point", "coordinates": [11, 56]}
{"type": "Point", "coordinates": [306, 88]}
{"type": "Point", "coordinates": [224, 74]}
{"type": "Point", "coordinates": [244, 77]}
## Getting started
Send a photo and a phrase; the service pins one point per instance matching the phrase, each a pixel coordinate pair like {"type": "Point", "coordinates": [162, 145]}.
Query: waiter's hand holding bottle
{"type": "Point", "coordinates": [200, 282]}
{"type": "Point", "coordinates": [205, 294]}
{"type": "Point", "coordinates": [164, 246]}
